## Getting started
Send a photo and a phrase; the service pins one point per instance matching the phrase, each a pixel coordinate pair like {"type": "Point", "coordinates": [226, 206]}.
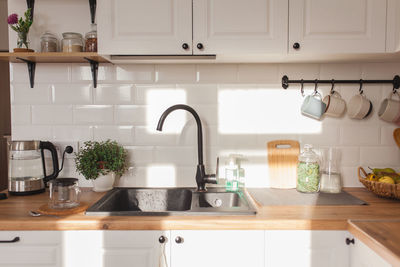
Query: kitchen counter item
{"type": "Point", "coordinates": [331, 180]}
{"type": "Point", "coordinates": [396, 136]}
{"type": "Point", "coordinates": [308, 171]}
{"type": "Point", "coordinates": [27, 173]}
{"type": "Point", "coordinates": [64, 193]}
{"type": "Point", "coordinates": [48, 42]}
{"type": "Point", "coordinates": [72, 42]}
{"type": "Point", "coordinates": [378, 188]}
{"type": "Point", "coordinates": [45, 209]}
{"type": "Point", "coordinates": [38, 214]}
{"type": "Point", "coordinates": [279, 197]}
{"type": "Point", "coordinates": [282, 163]}
{"type": "Point", "coordinates": [91, 39]}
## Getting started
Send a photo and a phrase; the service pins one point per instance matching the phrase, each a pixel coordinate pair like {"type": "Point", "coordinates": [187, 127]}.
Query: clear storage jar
{"type": "Point", "coordinates": [48, 42]}
{"type": "Point", "coordinates": [308, 171]}
{"type": "Point", "coordinates": [91, 39]}
{"type": "Point", "coordinates": [64, 193]}
{"type": "Point", "coordinates": [72, 42]}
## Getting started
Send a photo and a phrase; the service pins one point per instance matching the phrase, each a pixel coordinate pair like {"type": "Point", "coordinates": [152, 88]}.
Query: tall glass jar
{"type": "Point", "coordinates": [308, 171]}
{"type": "Point", "coordinates": [48, 42]}
{"type": "Point", "coordinates": [91, 39]}
{"type": "Point", "coordinates": [72, 42]}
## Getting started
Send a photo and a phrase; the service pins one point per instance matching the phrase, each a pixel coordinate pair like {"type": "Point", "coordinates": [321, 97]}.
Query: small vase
{"type": "Point", "coordinates": [23, 40]}
{"type": "Point", "coordinates": [104, 183]}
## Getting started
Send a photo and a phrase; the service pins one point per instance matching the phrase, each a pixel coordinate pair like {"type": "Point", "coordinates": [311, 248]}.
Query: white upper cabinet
{"type": "Point", "coordinates": [145, 27]}
{"type": "Point", "coordinates": [240, 26]}
{"type": "Point", "coordinates": [339, 26]}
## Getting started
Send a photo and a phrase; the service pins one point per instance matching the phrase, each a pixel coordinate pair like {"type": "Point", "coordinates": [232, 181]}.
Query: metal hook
{"type": "Point", "coordinates": [316, 85]}
{"type": "Point", "coordinates": [333, 86]}
{"type": "Point", "coordinates": [361, 85]}
{"type": "Point", "coordinates": [302, 87]}
{"type": "Point", "coordinates": [394, 89]}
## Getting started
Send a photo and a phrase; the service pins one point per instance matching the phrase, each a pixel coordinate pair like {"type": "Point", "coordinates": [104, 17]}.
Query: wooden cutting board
{"type": "Point", "coordinates": [282, 163]}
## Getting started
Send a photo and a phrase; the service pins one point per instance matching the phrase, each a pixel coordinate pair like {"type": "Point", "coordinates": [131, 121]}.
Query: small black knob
{"type": "Point", "coordinates": [296, 45]}
{"type": "Point", "coordinates": [185, 46]}
{"type": "Point", "coordinates": [200, 46]}
{"type": "Point", "coordinates": [349, 241]}
{"type": "Point", "coordinates": [179, 240]}
{"type": "Point", "coordinates": [162, 239]}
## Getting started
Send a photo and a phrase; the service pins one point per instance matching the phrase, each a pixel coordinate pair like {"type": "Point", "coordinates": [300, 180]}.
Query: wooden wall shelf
{"type": "Point", "coordinates": [52, 57]}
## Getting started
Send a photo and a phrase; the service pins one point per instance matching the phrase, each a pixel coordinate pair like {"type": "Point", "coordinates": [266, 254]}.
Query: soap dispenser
{"type": "Point", "coordinates": [234, 173]}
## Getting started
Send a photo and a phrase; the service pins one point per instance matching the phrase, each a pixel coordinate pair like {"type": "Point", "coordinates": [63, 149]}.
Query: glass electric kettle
{"type": "Point", "coordinates": [27, 167]}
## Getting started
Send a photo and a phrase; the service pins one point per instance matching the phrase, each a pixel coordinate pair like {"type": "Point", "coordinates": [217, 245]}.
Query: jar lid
{"type": "Point", "coordinates": [64, 181]}
{"type": "Point", "coordinates": [48, 36]}
{"type": "Point", "coordinates": [71, 35]}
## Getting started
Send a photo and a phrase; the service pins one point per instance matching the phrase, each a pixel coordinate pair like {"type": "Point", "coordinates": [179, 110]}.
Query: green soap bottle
{"type": "Point", "coordinates": [234, 173]}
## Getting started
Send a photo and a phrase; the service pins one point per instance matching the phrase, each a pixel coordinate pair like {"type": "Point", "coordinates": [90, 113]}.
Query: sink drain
{"type": "Point", "coordinates": [217, 202]}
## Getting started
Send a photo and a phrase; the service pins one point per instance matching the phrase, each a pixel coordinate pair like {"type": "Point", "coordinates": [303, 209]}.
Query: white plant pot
{"type": "Point", "coordinates": [104, 182]}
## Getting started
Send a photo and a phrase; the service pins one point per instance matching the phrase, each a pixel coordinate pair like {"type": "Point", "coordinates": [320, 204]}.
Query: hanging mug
{"type": "Point", "coordinates": [313, 106]}
{"type": "Point", "coordinates": [335, 105]}
{"type": "Point", "coordinates": [359, 106]}
{"type": "Point", "coordinates": [389, 109]}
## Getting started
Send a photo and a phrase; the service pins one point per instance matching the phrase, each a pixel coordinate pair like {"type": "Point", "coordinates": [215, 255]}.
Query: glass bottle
{"type": "Point", "coordinates": [48, 42]}
{"type": "Point", "coordinates": [234, 173]}
{"type": "Point", "coordinates": [91, 39]}
{"type": "Point", "coordinates": [331, 180]}
{"type": "Point", "coordinates": [72, 42]}
{"type": "Point", "coordinates": [308, 171]}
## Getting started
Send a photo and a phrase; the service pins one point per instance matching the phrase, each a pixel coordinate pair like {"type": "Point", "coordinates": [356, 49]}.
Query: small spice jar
{"type": "Point", "coordinates": [72, 42]}
{"type": "Point", "coordinates": [48, 42]}
{"type": "Point", "coordinates": [91, 39]}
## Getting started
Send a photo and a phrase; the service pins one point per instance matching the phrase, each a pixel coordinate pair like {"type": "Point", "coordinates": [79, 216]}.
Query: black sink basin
{"type": "Point", "coordinates": [171, 201]}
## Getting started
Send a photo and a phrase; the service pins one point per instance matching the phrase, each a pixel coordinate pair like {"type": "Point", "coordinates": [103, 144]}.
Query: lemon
{"type": "Point", "coordinates": [386, 179]}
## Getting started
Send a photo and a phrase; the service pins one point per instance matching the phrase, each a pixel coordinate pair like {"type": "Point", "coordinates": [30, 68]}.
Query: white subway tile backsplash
{"type": "Point", "coordinates": [114, 94]}
{"type": "Point", "coordinates": [179, 73]}
{"type": "Point", "coordinates": [72, 94]}
{"type": "Point", "coordinates": [217, 73]}
{"type": "Point", "coordinates": [21, 115]}
{"type": "Point", "coordinates": [135, 73]}
{"type": "Point", "coordinates": [93, 114]}
{"type": "Point", "coordinates": [52, 115]}
{"type": "Point", "coordinates": [242, 106]}
{"type": "Point", "coordinates": [23, 94]}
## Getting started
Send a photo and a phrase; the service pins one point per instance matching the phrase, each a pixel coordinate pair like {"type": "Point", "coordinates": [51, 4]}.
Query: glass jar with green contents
{"type": "Point", "coordinates": [308, 171]}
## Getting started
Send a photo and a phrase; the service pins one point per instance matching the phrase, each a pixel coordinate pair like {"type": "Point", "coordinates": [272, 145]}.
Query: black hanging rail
{"type": "Point", "coordinates": [395, 81]}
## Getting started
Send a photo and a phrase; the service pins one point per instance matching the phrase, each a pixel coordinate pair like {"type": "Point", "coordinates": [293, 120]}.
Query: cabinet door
{"type": "Point", "coordinates": [144, 27]}
{"type": "Point", "coordinates": [34, 248]}
{"type": "Point", "coordinates": [306, 248]}
{"type": "Point", "coordinates": [116, 248]}
{"type": "Point", "coordinates": [340, 26]}
{"type": "Point", "coordinates": [240, 26]}
{"type": "Point", "coordinates": [363, 256]}
{"type": "Point", "coordinates": [217, 248]}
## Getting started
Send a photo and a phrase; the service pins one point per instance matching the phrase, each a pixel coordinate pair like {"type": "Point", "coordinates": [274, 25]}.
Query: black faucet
{"type": "Point", "coordinates": [201, 177]}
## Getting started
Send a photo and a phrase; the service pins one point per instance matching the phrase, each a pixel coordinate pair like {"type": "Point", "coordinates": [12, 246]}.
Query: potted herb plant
{"type": "Point", "coordinates": [21, 26]}
{"type": "Point", "coordinates": [101, 162]}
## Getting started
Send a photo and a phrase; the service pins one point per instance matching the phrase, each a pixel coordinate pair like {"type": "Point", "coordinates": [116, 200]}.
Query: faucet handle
{"type": "Point", "coordinates": [213, 178]}
{"type": "Point", "coordinates": [217, 171]}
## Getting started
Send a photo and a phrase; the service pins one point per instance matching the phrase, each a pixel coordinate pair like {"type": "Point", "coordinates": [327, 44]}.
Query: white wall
{"type": "Point", "coordinates": [242, 106]}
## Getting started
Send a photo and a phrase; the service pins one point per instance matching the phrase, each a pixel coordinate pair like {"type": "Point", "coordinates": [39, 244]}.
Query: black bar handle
{"type": "Point", "coordinates": [49, 146]}
{"type": "Point", "coordinates": [15, 240]}
{"type": "Point", "coordinates": [349, 241]}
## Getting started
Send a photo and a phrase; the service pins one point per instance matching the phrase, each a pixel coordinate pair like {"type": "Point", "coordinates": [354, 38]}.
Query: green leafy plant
{"type": "Point", "coordinates": [97, 158]}
{"type": "Point", "coordinates": [21, 26]}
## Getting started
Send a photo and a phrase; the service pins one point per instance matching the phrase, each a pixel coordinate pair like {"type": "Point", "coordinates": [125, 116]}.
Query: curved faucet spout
{"type": "Point", "coordinates": [198, 122]}
{"type": "Point", "coordinates": [201, 177]}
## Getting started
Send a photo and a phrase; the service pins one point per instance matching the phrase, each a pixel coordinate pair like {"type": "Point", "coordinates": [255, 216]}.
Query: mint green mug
{"type": "Point", "coordinates": [313, 106]}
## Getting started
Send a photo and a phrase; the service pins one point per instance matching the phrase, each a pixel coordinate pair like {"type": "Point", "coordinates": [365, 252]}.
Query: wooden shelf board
{"type": "Point", "coordinates": [52, 57]}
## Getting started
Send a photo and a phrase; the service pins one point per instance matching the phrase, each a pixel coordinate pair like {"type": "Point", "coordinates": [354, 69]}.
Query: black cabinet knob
{"type": "Point", "coordinates": [200, 46]}
{"type": "Point", "coordinates": [185, 46]}
{"type": "Point", "coordinates": [179, 240]}
{"type": "Point", "coordinates": [162, 239]}
{"type": "Point", "coordinates": [296, 45]}
{"type": "Point", "coordinates": [349, 241]}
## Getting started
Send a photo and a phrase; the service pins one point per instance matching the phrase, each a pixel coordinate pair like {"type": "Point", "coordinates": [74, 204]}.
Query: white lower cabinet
{"type": "Point", "coordinates": [303, 248]}
{"type": "Point", "coordinates": [363, 256]}
{"type": "Point", "coordinates": [217, 248]}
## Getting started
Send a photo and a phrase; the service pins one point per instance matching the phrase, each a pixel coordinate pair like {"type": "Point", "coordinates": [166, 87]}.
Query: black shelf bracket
{"type": "Point", "coordinates": [31, 70]}
{"type": "Point", "coordinates": [395, 82]}
{"type": "Point", "coordinates": [31, 4]}
{"type": "Point", "coordinates": [94, 67]}
{"type": "Point", "coordinates": [92, 4]}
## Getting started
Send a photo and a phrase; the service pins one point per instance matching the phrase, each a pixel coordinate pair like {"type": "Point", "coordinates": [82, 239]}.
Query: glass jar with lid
{"type": "Point", "coordinates": [72, 42]}
{"type": "Point", "coordinates": [48, 42]}
{"type": "Point", "coordinates": [308, 171]}
{"type": "Point", "coordinates": [91, 39]}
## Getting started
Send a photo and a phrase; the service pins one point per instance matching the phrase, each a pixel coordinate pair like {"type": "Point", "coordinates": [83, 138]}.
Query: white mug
{"type": "Point", "coordinates": [389, 109]}
{"type": "Point", "coordinates": [359, 107]}
{"type": "Point", "coordinates": [335, 105]}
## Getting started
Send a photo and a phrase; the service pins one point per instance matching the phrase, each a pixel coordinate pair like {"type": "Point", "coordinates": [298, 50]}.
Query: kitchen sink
{"type": "Point", "coordinates": [125, 201]}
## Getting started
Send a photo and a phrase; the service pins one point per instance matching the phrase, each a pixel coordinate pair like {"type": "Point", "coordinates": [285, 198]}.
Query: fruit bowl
{"type": "Point", "coordinates": [385, 190]}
